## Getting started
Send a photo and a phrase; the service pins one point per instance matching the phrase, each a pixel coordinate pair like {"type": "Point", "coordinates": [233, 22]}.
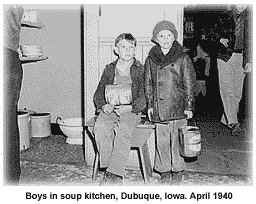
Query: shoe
{"type": "Point", "coordinates": [165, 177]}
{"type": "Point", "coordinates": [112, 179]}
{"type": "Point", "coordinates": [235, 129]}
{"type": "Point", "coordinates": [179, 176]}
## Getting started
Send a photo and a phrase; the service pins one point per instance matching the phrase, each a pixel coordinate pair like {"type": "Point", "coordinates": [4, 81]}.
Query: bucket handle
{"type": "Point", "coordinates": [58, 119]}
{"type": "Point", "coordinates": [26, 109]}
{"type": "Point", "coordinates": [193, 121]}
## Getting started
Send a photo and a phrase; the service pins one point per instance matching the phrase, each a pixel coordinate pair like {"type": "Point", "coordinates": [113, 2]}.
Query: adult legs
{"type": "Point", "coordinates": [12, 86]}
{"type": "Point", "coordinates": [238, 77]}
{"type": "Point", "coordinates": [227, 91]}
{"type": "Point", "coordinates": [231, 87]}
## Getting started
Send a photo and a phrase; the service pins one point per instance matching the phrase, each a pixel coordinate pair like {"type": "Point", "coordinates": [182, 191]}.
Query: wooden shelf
{"type": "Point", "coordinates": [25, 60]}
{"type": "Point", "coordinates": [28, 24]}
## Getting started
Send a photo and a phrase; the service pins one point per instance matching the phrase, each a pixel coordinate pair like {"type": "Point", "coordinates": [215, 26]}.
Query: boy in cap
{"type": "Point", "coordinates": [115, 125]}
{"type": "Point", "coordinates": [169, 83]}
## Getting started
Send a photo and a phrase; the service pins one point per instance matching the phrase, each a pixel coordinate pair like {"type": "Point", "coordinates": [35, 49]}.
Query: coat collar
{"type": "Point", "coordinates": [135, 64]}
{"type": "Point", "coordinates": [159, 58]}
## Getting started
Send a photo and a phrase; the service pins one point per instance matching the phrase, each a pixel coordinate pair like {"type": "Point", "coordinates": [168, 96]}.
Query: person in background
{"type": "Point", "coordinates": [206, 50]}
{"type": "Point", "coordinates": [246, 101]}
{"type": "Point", "coordinates": [232, 38]}
{"type": "Point", "coordinates": [202, 64]}
{"type": "Point", "coordinates": [169, 90]}
{"type": "Point", "coordinates": [115, 125]}
{"type": "Point", "coordinates": [12, 86]}
{"type": "Point", "coordinates": [202, 55]}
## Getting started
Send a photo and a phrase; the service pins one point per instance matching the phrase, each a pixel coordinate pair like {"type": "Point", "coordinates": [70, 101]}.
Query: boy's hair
{"type": "Point", "coordinates": [126, 36]}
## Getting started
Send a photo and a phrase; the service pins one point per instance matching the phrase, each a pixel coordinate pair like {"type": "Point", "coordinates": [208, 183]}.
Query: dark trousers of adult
{"type": "Point", "coordinates": [12, 85]}
{"type": "Point", "coordinates": [113, 135]}
{"type": "Point", "coordinates": [245, 106]}
{"type": "Point", "coordinates": [168, 156]}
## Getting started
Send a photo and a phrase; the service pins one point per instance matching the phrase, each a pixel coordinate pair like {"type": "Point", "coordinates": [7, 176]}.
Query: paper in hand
{"type": "Point", "coordinates": [118, 94]}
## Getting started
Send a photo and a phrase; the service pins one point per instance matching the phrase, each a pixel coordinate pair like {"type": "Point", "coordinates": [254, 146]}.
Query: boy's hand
{"type": "Point", "coordinates": [195, 58]}
{"type": "Point", "coordinates": [108, 108]}
{"type": "Point", "coordinates": [189, 114]}
{"type": "Point", "coordinates": [248, 68]}
{"type": "Point", "coordinates": [122, 109]}
{"type": "Point", "coordinates": [150, 113]}
{"type": "Point", "coordinates": [224, 42]}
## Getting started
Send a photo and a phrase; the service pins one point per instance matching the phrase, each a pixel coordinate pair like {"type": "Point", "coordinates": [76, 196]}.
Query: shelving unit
{"type": "Point", "coordinates": [32, 25]}
{"type": "Point", "coordinates": [25, 60]}
{"type": "Point", "coordinates": [28, 24]}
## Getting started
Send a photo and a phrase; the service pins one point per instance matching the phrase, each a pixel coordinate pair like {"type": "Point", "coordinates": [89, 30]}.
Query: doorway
{"type": "Point", "coordinates": [198, 18]}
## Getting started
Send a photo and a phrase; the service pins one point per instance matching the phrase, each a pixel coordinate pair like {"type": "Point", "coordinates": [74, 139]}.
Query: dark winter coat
{"type": "Point", "coordinates": [169, 83]}
{"type": "Point", "coordinates": [107, 78]}
{"type": "Point", "coordinates": [225, 28]}
{"type": "Point", "coordinates": [247, 54]}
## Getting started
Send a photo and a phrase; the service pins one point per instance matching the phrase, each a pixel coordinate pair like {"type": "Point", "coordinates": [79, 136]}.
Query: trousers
{"type": "Point", "coordinates": [113, 135]}
{"type": "Point", "coordinates": [168, 156]}
{"type": "Point", "coordinates": [231, 78]}
{"type": "Point", "coordinates": [12, 86]}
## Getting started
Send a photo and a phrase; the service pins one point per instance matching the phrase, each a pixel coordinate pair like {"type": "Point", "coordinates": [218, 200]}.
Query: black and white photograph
{"type": "Point", "coordinates": [128, 95]}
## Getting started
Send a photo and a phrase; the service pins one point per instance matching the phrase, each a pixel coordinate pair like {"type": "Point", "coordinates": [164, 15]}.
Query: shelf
{"type": "Point", "coordinates": [28, 24]}
{"type": "Point", "coordinates": [25, 60]}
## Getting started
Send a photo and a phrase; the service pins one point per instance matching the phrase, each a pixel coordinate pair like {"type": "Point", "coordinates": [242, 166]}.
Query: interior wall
{"type": "Point", "coordinates": [54, 85]}
{"type": "Point", "coordinates": [139, 20]}
{"type": "Point", "coordinates": [91, 47]}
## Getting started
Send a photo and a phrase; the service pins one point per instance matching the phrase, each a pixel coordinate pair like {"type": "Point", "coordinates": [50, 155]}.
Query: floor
{"type": "Point", "coordinates": [42, 174]}
{"type": "Point", "coordinates": [224, 160]}
{"type": "Point", "coordinates": [222, 153]}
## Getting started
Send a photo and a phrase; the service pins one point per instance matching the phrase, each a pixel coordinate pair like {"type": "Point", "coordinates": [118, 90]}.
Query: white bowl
{"type": "Point", "coordinates": [72, 128]}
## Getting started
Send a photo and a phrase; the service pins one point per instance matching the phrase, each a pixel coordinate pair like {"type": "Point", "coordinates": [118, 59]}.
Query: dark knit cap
{"type": "Point", "coordinates": [164, 25]}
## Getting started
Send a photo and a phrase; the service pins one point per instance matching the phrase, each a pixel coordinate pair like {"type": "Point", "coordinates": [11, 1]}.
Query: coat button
{"type": "Point", "coordinates": [160, 83]}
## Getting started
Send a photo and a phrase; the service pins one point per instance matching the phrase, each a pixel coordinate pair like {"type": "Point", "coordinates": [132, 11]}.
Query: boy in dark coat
{"type": "Point", "coordinates": [115, 124]}
{"type": "Point", "coordinates": [169, 89]}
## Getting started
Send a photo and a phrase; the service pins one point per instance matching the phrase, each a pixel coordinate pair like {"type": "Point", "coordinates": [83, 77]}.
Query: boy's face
{"type": "Point", "coordinates": [165, 38]}
{"type": "Point", "coordinates": [125, 50]}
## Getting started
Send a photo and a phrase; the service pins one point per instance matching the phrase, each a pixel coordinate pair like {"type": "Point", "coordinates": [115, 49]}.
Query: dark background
{"type": "Point", "coordinates": [204, 17]}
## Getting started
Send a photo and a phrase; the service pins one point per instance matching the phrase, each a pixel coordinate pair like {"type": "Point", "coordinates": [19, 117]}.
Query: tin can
{"type": "Point", "coordinates": [190, 141]}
